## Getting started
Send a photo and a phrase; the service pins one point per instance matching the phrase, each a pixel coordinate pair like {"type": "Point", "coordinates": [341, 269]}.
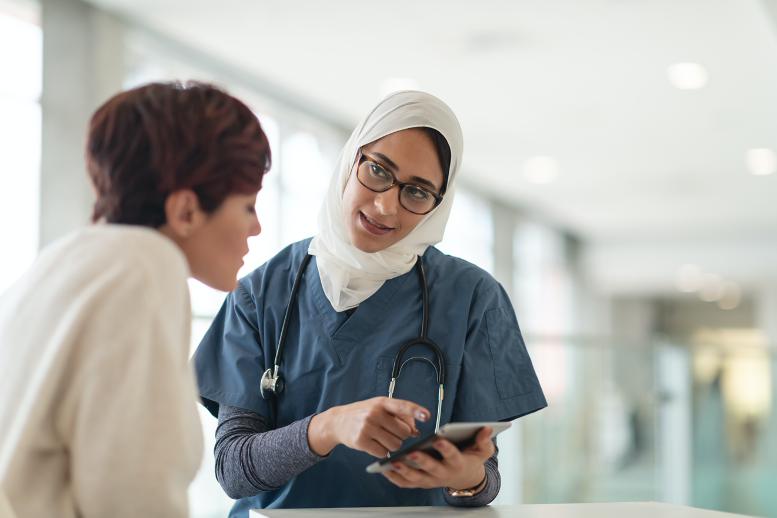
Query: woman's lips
{"type": "Point", "coordinates": [375, 229]}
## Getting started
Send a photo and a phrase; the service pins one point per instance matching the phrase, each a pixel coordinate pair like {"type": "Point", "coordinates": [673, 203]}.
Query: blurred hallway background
{"type": "Point", "coordinates": [618, 179]}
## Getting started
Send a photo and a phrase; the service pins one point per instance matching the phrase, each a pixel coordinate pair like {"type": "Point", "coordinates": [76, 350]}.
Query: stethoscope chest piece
{"type": "Point", "coordinates": [272, 384]}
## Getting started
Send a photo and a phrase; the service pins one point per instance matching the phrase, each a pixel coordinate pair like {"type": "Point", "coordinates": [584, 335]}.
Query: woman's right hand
{"type": "Point", "coordinates": [377, 426]}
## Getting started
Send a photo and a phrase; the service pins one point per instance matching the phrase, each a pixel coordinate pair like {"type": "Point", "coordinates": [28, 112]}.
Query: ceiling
{"type": "Point", "coordinates": [583, 81]}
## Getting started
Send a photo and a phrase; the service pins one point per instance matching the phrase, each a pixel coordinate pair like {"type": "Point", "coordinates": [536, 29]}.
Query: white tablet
{"type": "Point", "coordinates": [460, 434]}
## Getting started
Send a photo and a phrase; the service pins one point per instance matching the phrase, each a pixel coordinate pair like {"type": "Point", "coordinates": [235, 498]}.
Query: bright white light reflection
{"type": "Point", "coordinates": [730, 296]}
{"type": "Point", "coordinates": [396, 84]}
{"type": "Point", "coordinates": [687, 76]}
{"type": "Point", "coordinates": [20, 131]}
{"type": "Point", "coordinates": [761, 161]}
{"type": "Point", "coordinates": [690, 278]}
{"type": "Point", "coordinates": [205, 300]}
{"type": "Point", "coordinates": [21, 53]}
{"type": "Point", "coordinates": [541, 169]}
{"type": "Point", "coordinates": [747, 384]}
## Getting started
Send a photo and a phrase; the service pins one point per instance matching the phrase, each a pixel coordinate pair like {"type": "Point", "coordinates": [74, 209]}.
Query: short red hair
{"type": "Point", "coordinates": [147, 142]}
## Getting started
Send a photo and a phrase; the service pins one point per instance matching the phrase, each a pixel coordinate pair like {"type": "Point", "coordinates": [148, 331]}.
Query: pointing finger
{"type": "Point", "coordinates": [402, 407]}
{"type": "Point", "coordinates": [397, 426]}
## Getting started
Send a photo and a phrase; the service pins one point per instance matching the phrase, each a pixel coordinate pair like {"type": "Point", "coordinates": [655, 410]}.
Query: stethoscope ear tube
{"type": "Point", "coordinates": [422, 341]}
{"type": "Point", "coordinates": [395, 375]}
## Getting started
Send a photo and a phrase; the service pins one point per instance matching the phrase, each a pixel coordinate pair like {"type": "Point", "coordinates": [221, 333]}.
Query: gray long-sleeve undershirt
{"type": "Point", "coordinates": [251, 458]}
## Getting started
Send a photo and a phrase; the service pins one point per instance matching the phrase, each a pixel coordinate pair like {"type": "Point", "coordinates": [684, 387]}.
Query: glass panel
{"type": "Point", "coordinates": [469, 233]}
{"type": "Point", "coordinates": [266, 244]}
{"type": "Point", "coordinates": [595, 441]}
{"type": "Point", "coordinates": [304, 181]}
{"type": "Point", "coordinates": [20, 137]}
{"type": "Point", "coordinates": [691, 424]}
{"type": "Point", "coordinates": [21, 54]}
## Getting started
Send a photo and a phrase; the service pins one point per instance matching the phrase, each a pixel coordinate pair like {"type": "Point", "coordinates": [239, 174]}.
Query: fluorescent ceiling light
{"type": "Point", "coordinates": [540, 169]}
{"type": "Point", "coordinates": [396, 84]}
{"type": "Point", "coordinates": [687, 76]}
{"type": "Point", "coordinates": [761, 161]}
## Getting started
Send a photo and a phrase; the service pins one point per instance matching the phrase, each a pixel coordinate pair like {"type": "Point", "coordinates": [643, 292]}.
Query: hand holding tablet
{"type": "Point", "coordinates": [461, 435]}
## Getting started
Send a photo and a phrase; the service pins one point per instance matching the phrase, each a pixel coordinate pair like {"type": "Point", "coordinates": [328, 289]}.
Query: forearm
{"type": "Point", "coordinates": [488, 493]}
{"type": "Point", "coordinates": [251, 459]}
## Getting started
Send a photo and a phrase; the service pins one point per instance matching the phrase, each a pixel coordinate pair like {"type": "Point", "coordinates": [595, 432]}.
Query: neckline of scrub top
{"type": "Point", "coordinates": [347, 334]}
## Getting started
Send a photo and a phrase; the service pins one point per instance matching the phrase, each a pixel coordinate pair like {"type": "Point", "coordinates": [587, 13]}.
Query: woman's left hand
{"type": "Point", "coordinates": [458, 469]}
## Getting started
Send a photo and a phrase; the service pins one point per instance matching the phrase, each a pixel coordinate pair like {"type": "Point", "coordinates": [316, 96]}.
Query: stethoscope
{"type": "Point", "coordinates": [272, 385]}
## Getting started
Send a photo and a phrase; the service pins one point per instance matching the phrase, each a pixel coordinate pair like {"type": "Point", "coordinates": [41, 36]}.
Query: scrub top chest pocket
{"type": "Point", "coordinates": [511, 361]}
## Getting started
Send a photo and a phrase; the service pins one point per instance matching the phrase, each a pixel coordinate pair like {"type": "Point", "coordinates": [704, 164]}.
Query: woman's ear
{"type": "Point", "coordinates": [183, 213]}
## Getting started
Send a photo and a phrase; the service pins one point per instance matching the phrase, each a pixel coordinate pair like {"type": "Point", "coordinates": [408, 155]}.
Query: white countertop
{"type": "Point", "coordinates": [608, 510]}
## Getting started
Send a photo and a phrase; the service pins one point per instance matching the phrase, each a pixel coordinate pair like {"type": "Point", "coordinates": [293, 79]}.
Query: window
{"type": "Point", "coordinates": [21, 52]}
{"type": "Point", "coordinates": [470, 231]}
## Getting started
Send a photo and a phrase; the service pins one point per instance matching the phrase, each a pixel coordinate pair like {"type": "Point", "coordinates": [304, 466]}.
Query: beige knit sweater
{"type": "Point", "coordinates": [97, 402]}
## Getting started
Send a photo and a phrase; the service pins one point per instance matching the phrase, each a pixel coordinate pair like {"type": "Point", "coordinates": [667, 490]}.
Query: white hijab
{"type": "Point", "coordinates": [348, 275]}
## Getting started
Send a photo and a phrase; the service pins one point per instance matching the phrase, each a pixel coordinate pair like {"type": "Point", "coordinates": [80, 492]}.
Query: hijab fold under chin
{"type": "Point", "coordinates": [348, 275]}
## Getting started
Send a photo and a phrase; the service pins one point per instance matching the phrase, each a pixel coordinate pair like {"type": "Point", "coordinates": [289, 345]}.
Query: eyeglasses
{"type": "Point", "coordinates": [377, 178]}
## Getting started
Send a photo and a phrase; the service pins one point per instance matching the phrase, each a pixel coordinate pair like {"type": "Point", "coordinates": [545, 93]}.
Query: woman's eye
{"type": "Point", "coordinates": [251, 209]}
{"type": "Point", "coordinates": [379, 172]}
{"type": "Point", "coordinates": [417, 193]}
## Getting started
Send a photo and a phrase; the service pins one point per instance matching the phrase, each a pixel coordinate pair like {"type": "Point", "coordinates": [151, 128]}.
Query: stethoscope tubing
{"type": "Point", "coordinates": [274, 384]}
{"type": "Point", "coordinates": [289, 308]}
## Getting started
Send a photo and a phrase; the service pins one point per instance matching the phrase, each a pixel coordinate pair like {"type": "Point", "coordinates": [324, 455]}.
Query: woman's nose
{"type": "Point", "coordinates": [387, 202]}
{"type": "Point", "coordinates": [256, 228]}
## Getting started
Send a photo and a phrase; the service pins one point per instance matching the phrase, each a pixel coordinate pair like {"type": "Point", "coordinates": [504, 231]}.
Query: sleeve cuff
{"type": "Point", "coordinates": [302, 440]}
{"type": "Point", "coordinates": [484, 497]}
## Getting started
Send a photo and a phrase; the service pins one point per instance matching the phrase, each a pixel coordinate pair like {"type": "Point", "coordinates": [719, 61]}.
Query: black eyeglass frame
{"type": "Point", "coordinates": [366, 158]}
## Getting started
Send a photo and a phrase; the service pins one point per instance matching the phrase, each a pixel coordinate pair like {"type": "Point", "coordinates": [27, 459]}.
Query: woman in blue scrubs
{"type": "Point", "coordinates": [359, 299]}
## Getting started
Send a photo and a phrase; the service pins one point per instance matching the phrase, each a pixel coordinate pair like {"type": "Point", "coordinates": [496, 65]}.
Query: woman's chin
{"type": "Point", "coordinates": [369, 243]}
{"type": "Point", "coordinates": [221, 283]}
{"type": "Point", "coordinates": [368, 248]}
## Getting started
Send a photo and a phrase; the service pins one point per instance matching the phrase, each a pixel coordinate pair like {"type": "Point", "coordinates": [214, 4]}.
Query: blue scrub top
{"type": "Point", "coordinates": [330, 359]}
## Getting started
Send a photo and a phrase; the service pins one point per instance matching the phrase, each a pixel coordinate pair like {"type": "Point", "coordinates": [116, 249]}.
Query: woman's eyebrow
{"type": "Point", "coordinates": [386, 159]}
{"type": "Point", "coordinates": [424, 181]}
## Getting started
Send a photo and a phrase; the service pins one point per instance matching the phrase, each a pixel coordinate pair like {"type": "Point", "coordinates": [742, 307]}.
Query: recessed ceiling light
{"type": "Point", "coordinates": [711, 288]}
{"type": "Point", "coordinates": [690, 278]}
{"type": "Point", "coordinates": [396, 84]}
{"type": "Point", "coordinates": [687, 76]}
{"type": "Point", "coordinates": [491, 41]}
{"type": "Point", "coordinates": [540, 169]}
{"type": "Point", "coordinates": [731, 295]}
{"type": "Point", "coordinates": [761, 161]}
